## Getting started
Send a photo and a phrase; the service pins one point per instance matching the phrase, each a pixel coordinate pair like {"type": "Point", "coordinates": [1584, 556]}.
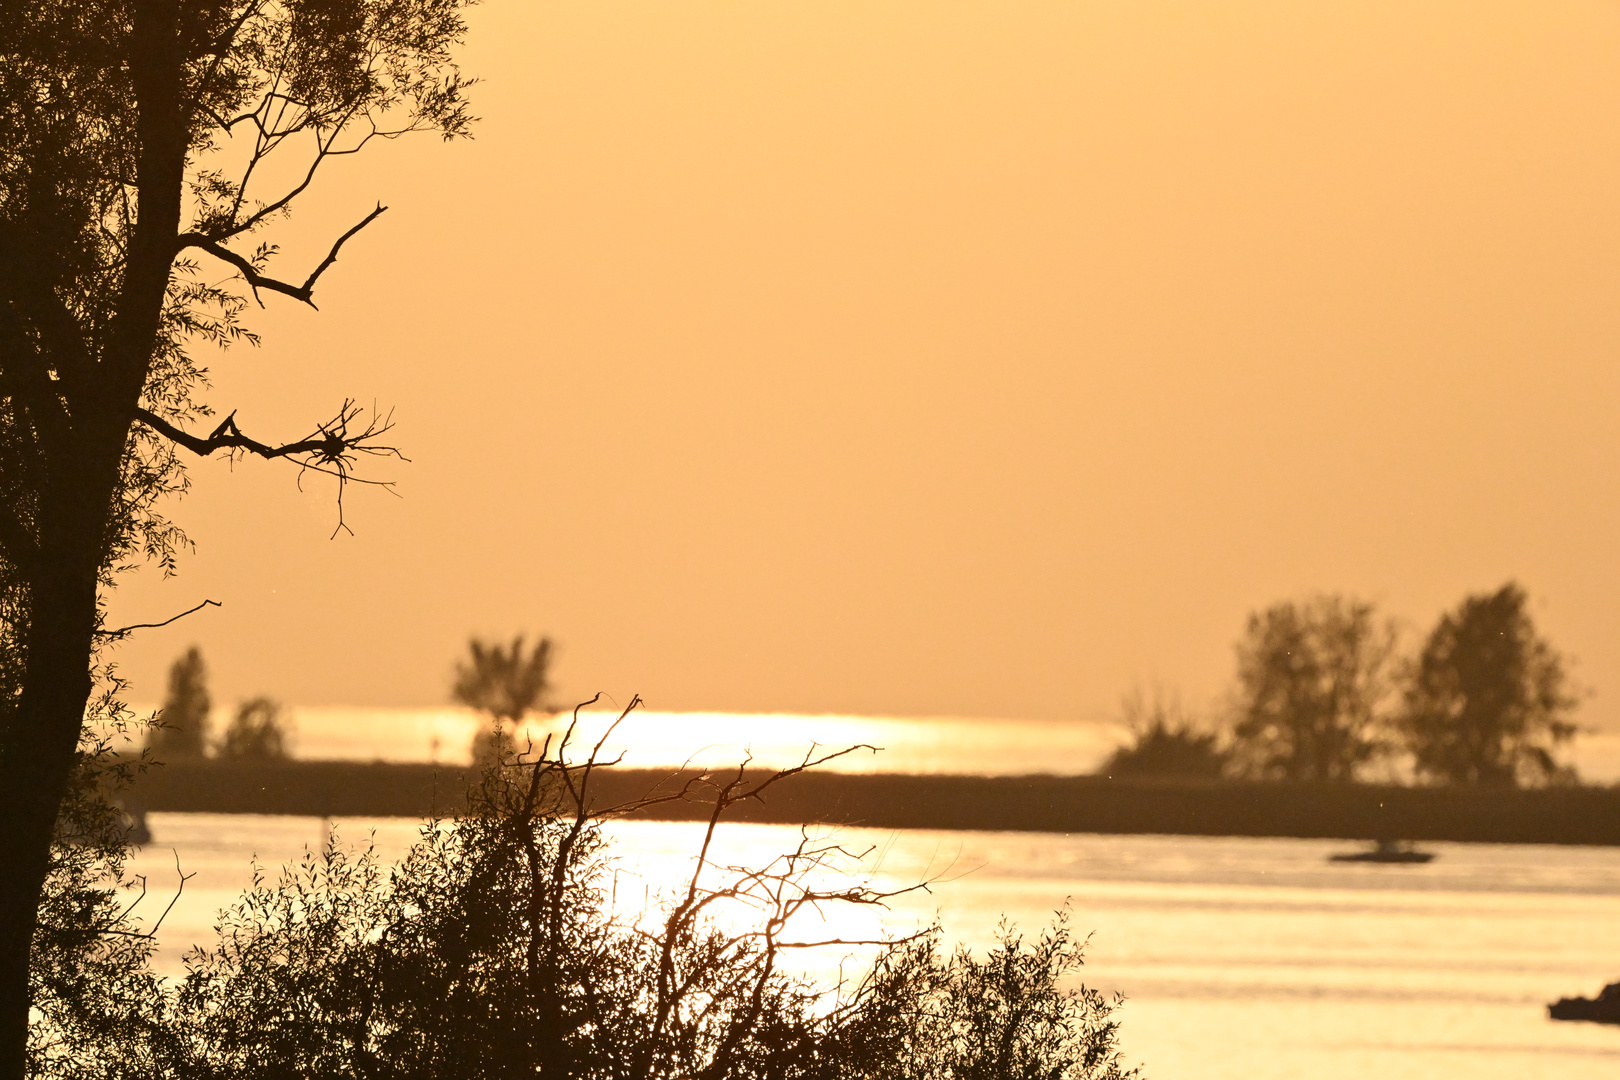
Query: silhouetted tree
{"type": "Point", "coordinates": [140, 145]}
{"type": "Point", "coordinates": [496, 949]}
{"type": "Point", "coordinates": [183, 728]}
{"type": "Point", "coordinates": [1165, 741]}
{"type": "Point", "coordinates": [1488, 700]}
{"type": "Point", "coordinates": [1312, 681]}
{"type": "Point", "coordinates": [505, 684]}
{"type": "Point", "coordinates": [258, 732]}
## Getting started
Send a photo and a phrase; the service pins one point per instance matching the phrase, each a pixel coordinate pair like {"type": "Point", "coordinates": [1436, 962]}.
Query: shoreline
{"type": "Point", "coordinates": [1092, 804]}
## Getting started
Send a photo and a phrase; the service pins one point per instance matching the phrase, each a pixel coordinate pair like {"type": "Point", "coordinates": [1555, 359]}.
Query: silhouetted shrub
{"type": "Point", "coordinates": [1005, 1017]}
{"type": "Point", "coordinates": [495, 948]}
{"type": "Point", "coordinates": [1164, 748]}
{"type": "Point", "coordinates": [1165, 741]}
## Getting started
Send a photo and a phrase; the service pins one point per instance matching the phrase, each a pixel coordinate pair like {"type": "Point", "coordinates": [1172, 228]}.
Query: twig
{"type": "Point", "coordinates": [181, 888]}
{"type": "Point", "coordinates": [124, 630]}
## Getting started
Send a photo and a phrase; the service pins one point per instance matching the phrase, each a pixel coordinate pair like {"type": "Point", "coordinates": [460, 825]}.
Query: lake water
{"type": "Point", "coordinates": [1252, 958]}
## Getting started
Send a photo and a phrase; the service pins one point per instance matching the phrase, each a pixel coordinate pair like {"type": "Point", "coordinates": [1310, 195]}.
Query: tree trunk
{"type": "Point", "coordinates": [74, 508]}
{"type": "Point", "coordinates": [36, 760]}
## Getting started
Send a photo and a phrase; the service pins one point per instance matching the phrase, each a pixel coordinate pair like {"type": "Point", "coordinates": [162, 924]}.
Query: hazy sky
{"type": "Point", "coordinates": [974, 358]}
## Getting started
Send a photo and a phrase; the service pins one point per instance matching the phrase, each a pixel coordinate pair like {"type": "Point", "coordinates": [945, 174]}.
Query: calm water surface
{"type": "Point", "coordinates": [1240, 957]}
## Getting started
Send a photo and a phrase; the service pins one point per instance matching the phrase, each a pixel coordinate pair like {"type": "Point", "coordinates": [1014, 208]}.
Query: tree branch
{"type": "Point", "coordinates": [123, 631]}
{"type": "Point", "coordinates": [256, 280]}
{"type": "Point", "coordinates": [329, 443]}
{"type": "Point", "coordinates": [330, 449]}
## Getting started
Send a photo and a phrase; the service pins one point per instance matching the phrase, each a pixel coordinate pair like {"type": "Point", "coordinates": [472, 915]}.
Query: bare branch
{"type": "Point", "coordinates": [268, 139]}
{"type": "Point", "coordinates": [330, 449]}
{"type": "Point", "coordinates": [152, 933]}
{"type": "Point", "coordinates": [124, 630]}
{"type": "Point", "coordinates": [256, 280]}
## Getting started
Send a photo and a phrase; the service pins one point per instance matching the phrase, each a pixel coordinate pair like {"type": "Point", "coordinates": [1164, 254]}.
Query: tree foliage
{"type": "Point", "coordinates": [1488, 700]}
{"type": "Point", "coordinates": [1313, 680]}
{"type": "Point", "coordinates": [498, 947]}
{"type": "Point", "coordinates": [504, 683]}
{"type": "Point", "coordinates": [501, 680]}
{"type": "Point", "coordinates": [146, 147]}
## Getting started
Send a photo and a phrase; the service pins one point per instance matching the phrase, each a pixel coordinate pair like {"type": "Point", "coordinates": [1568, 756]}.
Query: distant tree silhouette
{"type": "Point", "coordinates": [183, 721]}
{"type": "Point", "coordinates": [1488, 700]}
{"type": "Point", "coordinates": [258, 732]}
{"type": "Point", "coordinates": [506, 685]}
{"type": "Point", "coordinates": [1165, 741]}
{"type": "Point", "coordinates": [1313, 677]}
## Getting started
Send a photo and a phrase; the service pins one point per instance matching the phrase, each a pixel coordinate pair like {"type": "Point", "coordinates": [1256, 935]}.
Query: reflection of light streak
{"type": "Point", "coordinates": [657, 740]}
{"type": "Point", "coordinates": [651, 870]}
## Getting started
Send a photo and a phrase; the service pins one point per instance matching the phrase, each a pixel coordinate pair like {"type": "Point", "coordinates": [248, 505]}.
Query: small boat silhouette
{"type": "Point", "coordinates": [1603, 1009]}
{"type": "Point", "coordinates": [1386, 851]}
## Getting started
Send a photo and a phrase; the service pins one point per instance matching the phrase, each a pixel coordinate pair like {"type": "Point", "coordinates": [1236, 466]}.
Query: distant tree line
{"type": "Point", "coordinates": [506, 683]}
{"type": "Point", "coordinates": [1323, 694]}
{"type": "Point", "coordinates": [259, 730]}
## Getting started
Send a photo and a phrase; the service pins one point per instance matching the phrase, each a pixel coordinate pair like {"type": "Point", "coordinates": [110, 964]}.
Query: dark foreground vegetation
{"type": "Point", "coordinates": [149, 149]}
{"type": "Point", "coordinates": [495, 949]}
{"type": "Point", "coordinates": [1561, 815]}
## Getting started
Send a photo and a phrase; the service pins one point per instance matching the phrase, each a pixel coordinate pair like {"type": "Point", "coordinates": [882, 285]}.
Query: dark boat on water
{"type": "Point", "coordinates": [1387, 851]}
{"type": "Point", "coordinates": [1603, 1009]}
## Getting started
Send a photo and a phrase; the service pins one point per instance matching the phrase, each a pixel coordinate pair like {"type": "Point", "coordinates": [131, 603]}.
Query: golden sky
{"type": "Point", "coordinates": [975, 358]}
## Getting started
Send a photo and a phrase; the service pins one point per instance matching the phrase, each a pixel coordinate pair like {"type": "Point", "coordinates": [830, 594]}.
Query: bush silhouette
{"type": "Point", "coordinates": [495, 948]}
{"type": "Point", "coordinates": [1165, 741]}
